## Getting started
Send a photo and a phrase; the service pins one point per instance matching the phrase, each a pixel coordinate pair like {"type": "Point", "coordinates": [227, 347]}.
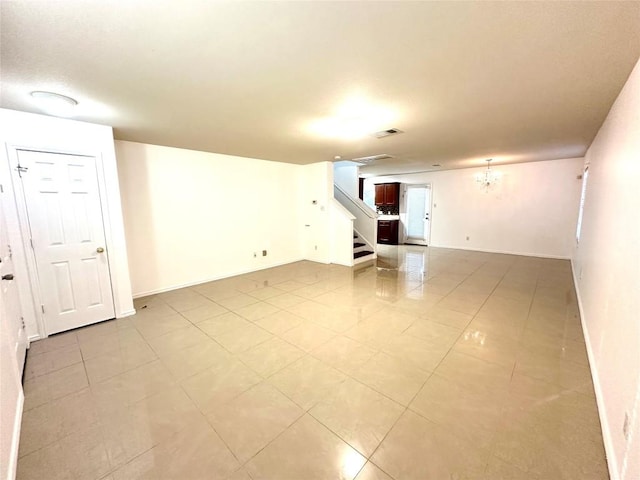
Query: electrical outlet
{"type": "Point", "coordinates": [626, 426]}
{"type": "Point", "coordinates": [467, 238]}
{"type": "Point", "coordinates": [255, 254]}
{"type": "Point", "coordinates": [264, 253]}
{"type": "Point", "coordinates": [316, 247]}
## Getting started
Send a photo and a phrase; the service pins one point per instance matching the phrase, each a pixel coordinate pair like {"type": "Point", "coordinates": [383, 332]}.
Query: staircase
{"type": "Point", "coordinates": [354, 229]}
{"type": "Point", "coordinates": [362, 251]}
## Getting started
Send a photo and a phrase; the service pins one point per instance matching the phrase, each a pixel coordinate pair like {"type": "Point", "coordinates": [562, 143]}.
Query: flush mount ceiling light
{"type": "Point", "coordinates": [488, 178]}
{"type": "Point", "coordinates": [55, 103]}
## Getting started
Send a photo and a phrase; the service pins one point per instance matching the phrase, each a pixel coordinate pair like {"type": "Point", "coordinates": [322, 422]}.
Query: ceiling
{"type": "Point", "coordinates": [303, 82]}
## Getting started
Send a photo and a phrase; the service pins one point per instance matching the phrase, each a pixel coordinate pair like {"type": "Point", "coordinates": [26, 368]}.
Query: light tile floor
{"type": "Point", "coordinates": [432, 364]}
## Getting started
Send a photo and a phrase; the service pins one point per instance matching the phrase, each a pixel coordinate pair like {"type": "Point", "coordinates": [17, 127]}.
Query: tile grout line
{"type": "Point", "coordinates": [492, 446]}
{"type": "Point", "coordinates": [409, 403]}
{"type": "Point", "coordinates": [309, 353]}
{"type": "Point", "coordinates": [407, 408]}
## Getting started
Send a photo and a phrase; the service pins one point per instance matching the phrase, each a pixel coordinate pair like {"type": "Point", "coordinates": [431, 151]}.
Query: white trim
{"type": "Point", "coordinates": [219, 277]}
{"type": "Point", "coordinates": [522, 254]}
{"type": "Point", "coordinates": [114, 229]}
{"type": "Point", "coordinates": [604, 423]}
{"type": "Point", "coordinates": [405, 225]}
{"type": "Point", "coordinates": [23, 220]}
{"type": "Point", "coordinates": [128, 313]}
{"type": "Point", "coordinates": [367, 242]}
{"type": "Point", "coordinates": [363, 207]}
{"type": "Point", "coordinates": [21, 262]}
{"type": "Point", "coordinates": [23, 224]}
{"type": "Point", "coordinates": [12, 468]}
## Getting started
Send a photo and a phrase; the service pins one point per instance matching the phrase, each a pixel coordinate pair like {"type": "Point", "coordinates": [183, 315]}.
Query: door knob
{"type": "Point", "coordinates": [100, 250]}
{"type": "Point", "coordinates": [8, 276]}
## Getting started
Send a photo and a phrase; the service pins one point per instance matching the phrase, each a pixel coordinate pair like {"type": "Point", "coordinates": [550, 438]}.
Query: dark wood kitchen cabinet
{"type": "Point", "coordinates": [388, 231]}
{"type": "Point", "coordinates": [379, 194]}
{"type": "Point", "coordinates": [387, 194]}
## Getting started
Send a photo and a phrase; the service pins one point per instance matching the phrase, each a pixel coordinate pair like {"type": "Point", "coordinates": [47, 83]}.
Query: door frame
{"type": "Point", "coordinates": [26, 131]}
{"type": "Point", "coordinates": [22, 349]}
{"type": "Point", "coordinates": [25, 227]}
{"type": "Point", "coordinates": [429, 204]}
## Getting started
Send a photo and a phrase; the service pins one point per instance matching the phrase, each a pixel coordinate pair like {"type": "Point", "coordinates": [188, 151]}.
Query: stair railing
{"type": "Point", "coordinates": [365, 221]}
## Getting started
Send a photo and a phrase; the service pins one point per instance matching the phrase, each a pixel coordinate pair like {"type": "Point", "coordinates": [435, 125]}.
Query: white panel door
{"type": "Point", "coordinates": [65, 217]}
{"type": "Point", "coordinates": [418, 206]}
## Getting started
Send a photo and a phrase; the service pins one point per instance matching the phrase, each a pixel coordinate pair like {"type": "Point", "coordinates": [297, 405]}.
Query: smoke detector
{"type": "Point", "coordinates": [387, 133]}
{"type": "Point", "coordinates": [371, 159]}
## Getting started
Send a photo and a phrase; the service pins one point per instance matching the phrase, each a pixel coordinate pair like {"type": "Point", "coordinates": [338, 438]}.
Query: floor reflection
{"type": "Point", "coordinates": [427, 364]}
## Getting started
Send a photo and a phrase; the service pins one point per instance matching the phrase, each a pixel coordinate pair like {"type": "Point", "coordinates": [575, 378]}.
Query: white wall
{"type": "Point", "coordinates": [194, 216]}
{"type": "Point", "coordinates": [50, 134]}
{"type": "Point", "coordinates": [315, 184]}
{"type": "Point", "coordinates": [531, 211]}
{"type": "Point", "coordinates": [345, 175]}
{"type": "Point", "coordinates": [43, 133]}
{"type": "Point", "coordinates": [607, 269]}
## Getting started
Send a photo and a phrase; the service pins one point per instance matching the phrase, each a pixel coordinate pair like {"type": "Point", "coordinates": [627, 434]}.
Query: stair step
{"type": "Point", "coordinates": [358, 244]}
{"type": "Point", "coordinates": [361, 254]}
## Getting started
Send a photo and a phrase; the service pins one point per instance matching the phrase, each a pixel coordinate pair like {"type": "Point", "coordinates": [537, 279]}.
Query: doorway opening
{"type": "Point", "coordinates": [418, 226]}
{"type": "Point", "coordinates": [62, 222]}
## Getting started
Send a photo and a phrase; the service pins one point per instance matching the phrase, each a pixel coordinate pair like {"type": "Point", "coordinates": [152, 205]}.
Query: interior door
{"type": "Point", "coordinates": [67, 232]}
{"type": "Point", "coordinates": [418, 214]}
{"type": "Point", "coordinates": [9, 298]}
{"type": "Point", "coordinates": [13, 345]}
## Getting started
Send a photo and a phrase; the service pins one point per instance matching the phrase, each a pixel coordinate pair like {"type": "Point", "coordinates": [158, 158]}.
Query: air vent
{"type": "Point", "coordinates": [372, 158]}
{"type": "Point", "coordinates": [387, 133]}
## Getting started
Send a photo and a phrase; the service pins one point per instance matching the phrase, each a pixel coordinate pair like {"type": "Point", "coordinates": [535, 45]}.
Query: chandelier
{"type": "Point", "coordinates": [488, 178]}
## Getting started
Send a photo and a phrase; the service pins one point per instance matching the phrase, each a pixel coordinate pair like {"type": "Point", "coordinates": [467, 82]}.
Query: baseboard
{"type": "Point", "coordinates": [213, 279]}
{"type": "Point", "coordinates": [504, 252]}
{"type": "Point", "coordinates": [614, 474]}
{"type": "Point", "coordinates": [127, 313]}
